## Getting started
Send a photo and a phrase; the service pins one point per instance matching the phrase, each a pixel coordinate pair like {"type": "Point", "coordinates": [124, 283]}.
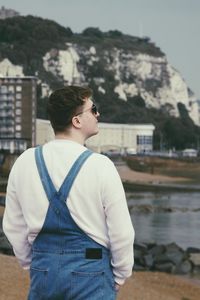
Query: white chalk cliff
{"type": "Point", "coordinates": [153, 78]}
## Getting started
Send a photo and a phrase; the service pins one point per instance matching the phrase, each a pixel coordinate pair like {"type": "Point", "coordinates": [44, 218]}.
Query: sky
{"type": "Point", "coordinates": [173, 25]}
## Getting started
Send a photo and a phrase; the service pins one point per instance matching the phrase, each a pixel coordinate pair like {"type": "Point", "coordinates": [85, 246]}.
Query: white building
{"type": "Point", "coordinates": [7, 13]}
{"type": "Point", "coordinates": [190, 153]}
{"type": "Point", "coordinates": [122, 137]}
{"type": "Point", "coordinates": [118, 137]}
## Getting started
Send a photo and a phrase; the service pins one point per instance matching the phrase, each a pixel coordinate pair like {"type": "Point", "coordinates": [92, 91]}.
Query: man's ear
{"type": "Point", "coordinates": [76, 122]}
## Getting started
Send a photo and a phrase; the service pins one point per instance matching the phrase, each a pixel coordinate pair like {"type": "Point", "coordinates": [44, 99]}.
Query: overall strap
{"type": "Point", "coordinates": [68, 182]}
{"type": "Point", "coordinates": [44, 175]}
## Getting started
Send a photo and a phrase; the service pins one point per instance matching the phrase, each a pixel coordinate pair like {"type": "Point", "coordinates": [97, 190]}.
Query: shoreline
{"type": "Point", "coordinates": [139, 181]}
{"type": "Point", "coordinates": [141, 187]}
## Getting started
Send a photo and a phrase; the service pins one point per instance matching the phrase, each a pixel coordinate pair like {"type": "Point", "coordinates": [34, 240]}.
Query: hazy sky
{"type": "Point", "coordinates": [174, 25]}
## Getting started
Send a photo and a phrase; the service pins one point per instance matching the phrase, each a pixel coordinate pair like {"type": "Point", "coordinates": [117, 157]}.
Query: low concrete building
{"type": "Point", "coordinates": [115, 137]}
{"type": "Point", "coordinates": [190, 153]}
{"type": "Point", "coordinates": [123, 137]}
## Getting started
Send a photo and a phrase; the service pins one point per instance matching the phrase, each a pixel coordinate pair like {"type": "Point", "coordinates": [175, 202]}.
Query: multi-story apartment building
{"type": "Point", "coordinates": [17, 113]}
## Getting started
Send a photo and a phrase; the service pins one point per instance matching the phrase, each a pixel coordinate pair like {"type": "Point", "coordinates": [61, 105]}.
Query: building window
{"type": "Point", "coordinates": [11, 97]}
{"type": "Point", "coordinates": [4, 89]}
{"type": "Point", "coordinates": [3, 97]}
{"type": "Point", "coordinates": [18, 96]}
{"type": "Point", "coordinates": [144, 140]}
{"type": "Point", "coordinates": [18, 134]}
{"type": "Point", "coordinates": [18, 104]}
{"type": "Point", "coordinates": [18, 112]}
{"type": "Point", "coordinates": [18, 119]}
{"type": "Point", "coordinates": [18, 127]}
{"type": "Point", "coordinates": [11, 88]}
{"type": "Point", "coordinates": [18, 88]}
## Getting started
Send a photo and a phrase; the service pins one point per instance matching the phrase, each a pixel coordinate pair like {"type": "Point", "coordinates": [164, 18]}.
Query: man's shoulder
{"type": "Point", "coordinates": [101, 160]}
{"type": "Point", "coordinates": [100, 157]}
{"type": "Point", "coordinates": [26, 155]}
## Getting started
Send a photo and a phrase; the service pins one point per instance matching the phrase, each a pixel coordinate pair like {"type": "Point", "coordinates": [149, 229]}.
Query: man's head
{"type": "Point", "coordinates": [70, 107]}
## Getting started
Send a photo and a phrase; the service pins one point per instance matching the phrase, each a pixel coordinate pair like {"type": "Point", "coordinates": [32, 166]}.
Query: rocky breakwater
{"type": "Point", "coordinates": [166, 258]}
{"type": "Point", "coordinates": [5, 246]}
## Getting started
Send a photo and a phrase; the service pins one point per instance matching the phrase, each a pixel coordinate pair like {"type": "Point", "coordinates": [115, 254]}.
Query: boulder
{"type": "Point", "coordinates": [167, 267]}
{"type": "Point", "coordinates": [166, 258]}
{"type": "Point", "coordinates": [148, 260]}
{"type": "Point", "coordinates": [195, 258]}
{"type": "Point", "coordinates": [192, 250]}
{"type": "Point", "coordinates": [185, 267]}
{"type": "Point", "coordinates": [156, 250]}
{"type": "Point", "coordinates": [138, 267]}
{"type": "Point", "coordinates": [5, 246]}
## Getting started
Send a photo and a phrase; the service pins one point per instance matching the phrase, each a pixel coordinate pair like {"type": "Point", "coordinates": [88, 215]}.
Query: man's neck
{"type": "Point", "coordinates": [75, 138]}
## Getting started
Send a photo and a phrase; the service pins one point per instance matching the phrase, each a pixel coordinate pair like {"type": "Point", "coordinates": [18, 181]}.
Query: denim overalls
{"type": "Point", "coordinates": [66, 263]}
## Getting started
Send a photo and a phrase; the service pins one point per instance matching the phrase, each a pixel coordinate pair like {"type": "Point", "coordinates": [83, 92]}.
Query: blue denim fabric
{"type": "Point", "coordinates": [60, 269]}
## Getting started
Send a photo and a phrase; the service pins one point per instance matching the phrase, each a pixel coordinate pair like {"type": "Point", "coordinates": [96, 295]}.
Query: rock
{"type": "Point", "coordinates": [167, 267]}
{"type": "Point", "coordinates": [138, 254]}
{"type": "Point", "coordinates": [185, 267]}
{"type": "Point", "coordinates": [196, 270]}
{"type": "Point", "coordinates": [137, 267]}
{"type": "Point", "coordinates": [139, 260]}
{"type": "Point", "coordinates": [173, 247]}
{"type": "Point", "coordinates": [166, 258]}
{"type": "Point", "coordinates": [148, 260]}
{"type": "Point", "coordinates": [5, 246]}
{"type": "Point", "coordinates": [176, 257]}
{"type": "Point", "coordinates": [161, 258]}
{"type": "Point", "coordinates": [2, 200]}
{"type": "Point", "coordinates": [151, 245]}
{"type": "Point", "coordinates": [157, 250]}
{"type": "Point", "coordinates": [140, 247]}
{"type": "Point", "coordinates": [193, 250]}
{"type": "Point", "coordinates": [195, 258]}
{"type": "Point", "coordinates": [146, 208]}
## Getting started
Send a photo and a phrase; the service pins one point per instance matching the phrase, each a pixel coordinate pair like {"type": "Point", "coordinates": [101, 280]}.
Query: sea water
{"type": "Point", "coordinates": [169, 217]}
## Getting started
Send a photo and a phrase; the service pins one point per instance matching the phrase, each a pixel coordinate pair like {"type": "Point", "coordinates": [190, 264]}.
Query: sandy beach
{"type": "Point", "coordinates": [14, 284]}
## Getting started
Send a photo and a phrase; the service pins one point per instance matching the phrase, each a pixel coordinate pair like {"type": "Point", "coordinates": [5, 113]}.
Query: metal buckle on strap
{"type": "Point", "coordinates": [93, 253]}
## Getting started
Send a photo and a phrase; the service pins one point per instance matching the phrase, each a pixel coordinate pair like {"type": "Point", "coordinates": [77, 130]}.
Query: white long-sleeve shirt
{"type": "Point", "coordinates": [96, 202]}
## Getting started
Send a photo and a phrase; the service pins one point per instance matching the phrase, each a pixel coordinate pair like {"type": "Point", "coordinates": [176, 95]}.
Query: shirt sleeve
{"type": "Point", "coordinates": [14, 225]}
{"type": "Point", "coordinates": [120, 228]}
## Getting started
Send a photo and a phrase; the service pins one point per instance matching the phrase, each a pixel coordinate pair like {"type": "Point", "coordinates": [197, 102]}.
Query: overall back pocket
{"type": "Point", "coordinates": [87, 285]}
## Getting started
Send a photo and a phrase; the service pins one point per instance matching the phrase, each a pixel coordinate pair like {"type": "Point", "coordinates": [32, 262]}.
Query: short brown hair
{"type": "Point", "coordinates": [63, 103]}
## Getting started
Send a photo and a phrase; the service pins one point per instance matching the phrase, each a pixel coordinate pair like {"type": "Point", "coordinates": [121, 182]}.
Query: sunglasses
{"type": "Point", "coordinates": [93, 110]}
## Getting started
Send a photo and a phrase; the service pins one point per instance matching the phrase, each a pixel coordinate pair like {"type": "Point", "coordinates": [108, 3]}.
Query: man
{"type": "Point", "coordinates": [66, 214]}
